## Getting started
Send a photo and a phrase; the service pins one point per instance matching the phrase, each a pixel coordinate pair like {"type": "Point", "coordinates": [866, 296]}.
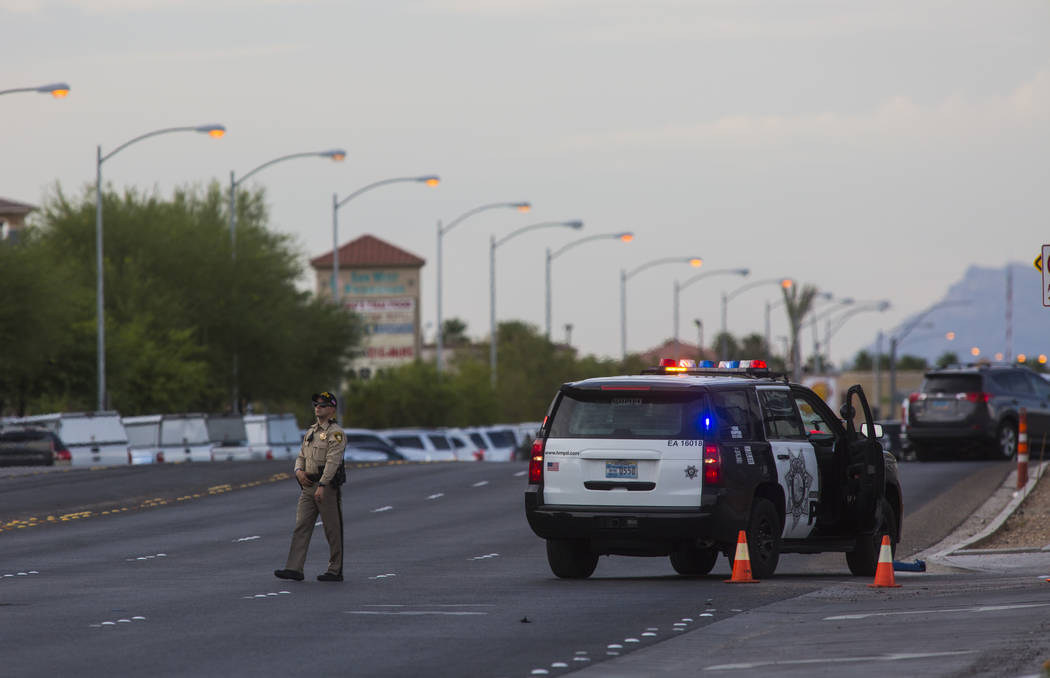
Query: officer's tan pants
{"type": "Point", "coordinates": [331, 512]}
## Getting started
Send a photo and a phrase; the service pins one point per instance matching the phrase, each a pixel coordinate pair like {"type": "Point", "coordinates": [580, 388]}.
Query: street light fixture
{"type": "Point", "coordinates": [625, 236]}
{"type": "Point", "coordinates": [336, 154]}
{"type": "Point", "coordinates": [211, 130]}
{"type": "Point", "coordinates": [575, 223]}
{"type": "Point", "coordinates": [59, 90]}
{"type": "Point", "coordinates": [523, 207]}
{"type": "Point", "coordinates": [429, 180]}
{"type": "Point", "coordinates": [678, 287]}
{"type": "Point", "coordinates": [695, 262]}
{"type": "Point", "coordinates": [784, 283]}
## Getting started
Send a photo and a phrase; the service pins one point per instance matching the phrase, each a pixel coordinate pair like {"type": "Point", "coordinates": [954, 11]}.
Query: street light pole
{"type": "Point", "coordinates": [678, 290]}
{"type": "Point", "coordinates": [576, 223]}
{"type": "Point", "coordinates": [59, 90]}
{"type": "Point", "coordinates": [336, 154]}
{"type": "Point", "coordinates": [429, 180]}
{"type": "Point", "coordinates": [212, 130]}
{"type": "Point", "coordinates": [441, 231]}
{"type": "Point", "coordinates": [625, 236]}
{"type": "Point", "coordinates": [695, 262]}
{"type": "Point", "coordinates": [897, 337]}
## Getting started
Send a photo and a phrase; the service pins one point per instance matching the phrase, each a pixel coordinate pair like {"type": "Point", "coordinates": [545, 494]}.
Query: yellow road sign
{"type": "Point", "coordinates": [1038, 263]}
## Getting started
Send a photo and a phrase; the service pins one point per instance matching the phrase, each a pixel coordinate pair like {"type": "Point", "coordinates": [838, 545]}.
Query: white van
{"type": "Point", "coordinates": [274, 436]}
{"type": "Point", "coordinates": [184, 437]}
{"type": "Point", "coordinates": [420, 444]}
{"type": "Point", "coordinates": [93, 438]}
{"type": "Point", "coordinates": [496, 442]}
{"type": "Point", "coordinates": [143, 438]}
{"type": "Point", "coordinates": [229, 439]}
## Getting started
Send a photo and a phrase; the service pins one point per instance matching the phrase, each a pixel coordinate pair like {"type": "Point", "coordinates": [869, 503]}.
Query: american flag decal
{"type": "Point", "coordinates": [552, 466]}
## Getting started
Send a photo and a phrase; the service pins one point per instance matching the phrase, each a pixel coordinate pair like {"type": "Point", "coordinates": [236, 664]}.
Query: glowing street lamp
{"type": "Point", "coordinates": [59, 90]}
{"type": "Point", "coordinates": [214, 131]}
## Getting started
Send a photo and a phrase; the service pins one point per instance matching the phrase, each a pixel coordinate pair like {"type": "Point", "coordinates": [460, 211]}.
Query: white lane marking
{"type": "Point", "coordinates": [581, 659]}
{"type": "Point", "coordinates": [22, 574]}
{"type": "Point", "coordinates": [687, 619]}
{"type": "Point", "coordinates": [251, 538]}
{"type": "Point", "coordinates": [265, 595]}
{"type": "Point", "coordinates": [488, 555]}
{"type": "Point", "coordinates": [631, 640]}
{"type": "Point", "coordinates": [439, 495]}
{"type": "Point", "coordinates": [983, 608]}
{"type": "Point", "coordinates": [415, 613]}
{"type": "Point", "coordinates": [383, 576]}
{"type": "Point", "coordinates": [539, 672]}
{"type": "Point", "coordinates": [614, 646]}
{"type": "Point", "coordinates": [482, 483]}
{"type": "Point", "coordinates": [149, 557]}
{"type": "Point", "coordinates": [434, 605]}
{"type": "Point", "coordinates": [648, 633]}
{"type": "Point", "coordinates": [706, 614]}
{"type": "Point", "coordinates": [652, 628]}
{"type": "Point", "coordinates": [381, 509]}
{"type": "Point", "coordinates": [559, 665]}
{"type": "Point", "coordinates": [838, 660]}
{"type": "Point", "coordinates": [520, 474]}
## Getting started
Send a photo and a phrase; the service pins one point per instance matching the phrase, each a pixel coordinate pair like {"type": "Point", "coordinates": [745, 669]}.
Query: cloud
{"type": "Point", "coordinates": [129, 6]}
{"type": "Point", "coordinates": [897, 118]}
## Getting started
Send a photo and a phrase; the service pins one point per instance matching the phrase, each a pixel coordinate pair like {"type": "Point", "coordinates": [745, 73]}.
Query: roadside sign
{"type": "Point", "coordinates": [1046, 275]}
{"type": "Point", "coordinates": [1038, 263]}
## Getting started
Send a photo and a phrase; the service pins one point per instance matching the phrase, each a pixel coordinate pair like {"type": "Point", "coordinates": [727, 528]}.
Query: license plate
{"type": "Point", "coordinates": [621, 469]}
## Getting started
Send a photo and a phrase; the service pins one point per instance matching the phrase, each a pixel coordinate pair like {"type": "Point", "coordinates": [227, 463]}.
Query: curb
{"type": "Point", "coordinates": [1002, 505]}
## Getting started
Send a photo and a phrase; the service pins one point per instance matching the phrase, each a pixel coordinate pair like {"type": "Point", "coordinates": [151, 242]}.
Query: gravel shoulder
{"type": "Point", "coordinates": [1028, 526]}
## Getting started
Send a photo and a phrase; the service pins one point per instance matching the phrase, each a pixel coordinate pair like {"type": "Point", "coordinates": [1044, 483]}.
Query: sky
{"type": "Point", "coordinates": [873, 150]}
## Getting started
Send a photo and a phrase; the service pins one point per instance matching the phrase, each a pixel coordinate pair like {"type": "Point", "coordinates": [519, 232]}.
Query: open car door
{"type": "Point", "coordinates": [865, 466]}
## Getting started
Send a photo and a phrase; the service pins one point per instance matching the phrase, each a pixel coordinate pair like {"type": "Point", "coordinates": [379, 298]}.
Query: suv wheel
{"type": "Point", "coordinates": [863, 561]}
{"type": "Point", "coordinates": [763, 538]}
{"type": "Point", "coordinates": [571, 558]}
{"type": "Point", "coordinates": [1006, 441]}
{"type": "Point", "coordinates": [693, 561]}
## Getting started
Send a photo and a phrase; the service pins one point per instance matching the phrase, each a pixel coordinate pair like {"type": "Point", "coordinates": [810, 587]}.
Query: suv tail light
{"type": "Point", "coordinates": [269, 455]}
{"type": "Point", "coordinates": [914, 397]}
{"type": "Point", "coordinates": [712, 465]}
{"type": "Point", "coordinates": [980, 397]}
{"type": "Point", "coordinates": [536, 461]}
{"type": "Point", "coordinates": [160, 457]}
{"type": "Point", "coordinates": [479, 455]}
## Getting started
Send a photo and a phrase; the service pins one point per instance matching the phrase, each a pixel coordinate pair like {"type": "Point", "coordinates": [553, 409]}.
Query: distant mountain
{"type": "Point", "coordinates": [976, 311]}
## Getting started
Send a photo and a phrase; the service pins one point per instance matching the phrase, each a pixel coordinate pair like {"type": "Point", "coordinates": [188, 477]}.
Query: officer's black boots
{"type": "Point", "coordinates": [288, 574]}
{"type": "Point", "coordinates": [328, 576]}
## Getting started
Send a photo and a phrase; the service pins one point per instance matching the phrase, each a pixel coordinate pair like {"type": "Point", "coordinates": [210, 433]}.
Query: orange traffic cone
{"type": "Point", "coordinates": [741, 563]}
{"type": "Point", "coordinates": [884, 571]}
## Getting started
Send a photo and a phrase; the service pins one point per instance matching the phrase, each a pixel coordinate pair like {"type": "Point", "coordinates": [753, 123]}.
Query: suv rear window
{"type": "Point", "coordinates": [585, 414]}
{"type": "Point", "coordinates": [501, 437]}
{"type": "Point", "coordinates": [414, 442]}
{"type": "Point", "coordinates": [952, 383]}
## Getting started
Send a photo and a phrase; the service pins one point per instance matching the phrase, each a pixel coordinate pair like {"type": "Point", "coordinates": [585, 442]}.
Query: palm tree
{"type": "Point", "coordinates": [798, 303]}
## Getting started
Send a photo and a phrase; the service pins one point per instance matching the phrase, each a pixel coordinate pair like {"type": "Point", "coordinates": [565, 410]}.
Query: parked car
{"type": "Point", "coordinates": [275, 436]}
{"type": "Point", "coordinates": [364, 444]}
{"type": "Point", "coordinates": [185, 437]}
{"type": "Point", "coordinates": [976, 408]}
{"type": "Point", "coordinates": [229, 439]}
{"type": "Point", "coordinates": [27, 447]}
{"type": "Point", "coordinates": [497, 443]}
{"type": "Point", "coordinates": [464, 448]}
{"type": "Point", "coordinates": [92, 438]}
{"type": "Point", "coordinates": [421, 444]}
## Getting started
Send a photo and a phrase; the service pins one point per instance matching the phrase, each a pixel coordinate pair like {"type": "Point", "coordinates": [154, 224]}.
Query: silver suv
{"type": "Point", "coordinates": [676, 461]}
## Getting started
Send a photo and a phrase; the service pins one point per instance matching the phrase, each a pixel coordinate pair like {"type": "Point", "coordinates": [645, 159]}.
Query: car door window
{"type": "Point", "coordinates": [735, 415]}
{"type": "Point", "coordinates": [1041, 386]}
{"type": "Point", "coordinates": [813, 419]}
{"type": "Point", "coordinates": [780, 416]}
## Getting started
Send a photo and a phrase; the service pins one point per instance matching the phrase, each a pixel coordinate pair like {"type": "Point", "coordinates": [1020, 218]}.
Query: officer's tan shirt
{"type": "Point", "coordinates": [324, 452]}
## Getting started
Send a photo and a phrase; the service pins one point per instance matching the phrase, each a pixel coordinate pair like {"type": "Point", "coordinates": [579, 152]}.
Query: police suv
{"type": "Point", "coordinates": [676, 461]}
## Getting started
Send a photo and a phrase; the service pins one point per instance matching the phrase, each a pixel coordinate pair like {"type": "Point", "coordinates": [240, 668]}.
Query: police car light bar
{"type": "Point", "coordinates": [757, 368]}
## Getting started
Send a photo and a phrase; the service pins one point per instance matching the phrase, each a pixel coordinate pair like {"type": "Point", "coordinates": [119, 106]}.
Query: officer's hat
{"type": "Point", "coordinates": [324, 397]}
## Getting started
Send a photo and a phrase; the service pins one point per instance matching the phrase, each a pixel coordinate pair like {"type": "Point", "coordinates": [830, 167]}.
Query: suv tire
{"type": "Point", "coordinates": [571, 558]}
{"type": "Point", "coordinates": [1005, 441]}
{"type": "Point", "coordinates": [693, 561]}
{"type": "Point", "coordinates": [863, 561]}
{"type": "Point", "coordinates": [763, 538]}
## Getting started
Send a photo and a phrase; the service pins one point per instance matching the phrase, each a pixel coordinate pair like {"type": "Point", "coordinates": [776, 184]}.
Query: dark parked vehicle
{"type": "Point", "coordinates": [32, 447]}
{"type": "Point", "coordinates": [976, 408]}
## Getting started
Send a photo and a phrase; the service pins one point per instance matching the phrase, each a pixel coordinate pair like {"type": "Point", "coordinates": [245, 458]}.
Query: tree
{"type": "Point", "coordinates": [454, 332]}
{"type": "Point", "coordinates": [797, 303]}
{"type": "Point", "coordinates": [947, 358]}
{"type": "Point", "coordinates": [179, 306]}
{"type": "Point", "coordinates": [911, 362]}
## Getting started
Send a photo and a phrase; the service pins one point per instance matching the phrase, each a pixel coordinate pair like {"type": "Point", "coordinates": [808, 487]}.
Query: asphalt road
{"type": "Point", "coordinates": [167, 571]}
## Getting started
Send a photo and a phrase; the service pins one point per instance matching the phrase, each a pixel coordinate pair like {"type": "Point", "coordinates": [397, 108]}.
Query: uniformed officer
{"type": "Point", "coordinates": [320, 473]}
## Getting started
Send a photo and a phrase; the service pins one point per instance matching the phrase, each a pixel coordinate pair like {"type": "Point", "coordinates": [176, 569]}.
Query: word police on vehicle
{"type": "Point", "coordinates": [677, 460]}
